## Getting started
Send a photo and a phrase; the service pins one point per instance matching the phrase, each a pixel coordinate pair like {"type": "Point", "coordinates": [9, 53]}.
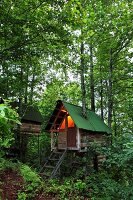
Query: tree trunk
{"type": "Point", "coordinates": [5, 74]}
{"type": "Point", "coordinates": [83, 90]}
{"type": "Point", "coordinates": [92, 92]}
{"type": "Point", "coordinates": [115, 124]}
{"type": "Point", "coordinates": [110, 94]}
{"type": "Point", "coordinates": [32, 86]}
{"type": "Point", "coordinates": [101, 93]}
{"type": "Point", "coordinates": [26, 87]}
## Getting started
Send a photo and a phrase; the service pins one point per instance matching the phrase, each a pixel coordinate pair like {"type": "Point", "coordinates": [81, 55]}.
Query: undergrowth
{"type": "Point", "coordinates": [32, 181]}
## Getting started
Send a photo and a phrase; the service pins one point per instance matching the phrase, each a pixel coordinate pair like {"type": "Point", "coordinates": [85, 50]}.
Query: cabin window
{"type": "Point", "coordinates": [70, 123]}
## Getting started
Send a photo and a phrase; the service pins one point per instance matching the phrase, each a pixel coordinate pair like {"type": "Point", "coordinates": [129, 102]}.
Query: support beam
{"type": "Point", "coordinates": [78, 138]}
{"type": "Point", "coordinates": [66, 127]}
{"type": "Point", "coordinates": [52, 140]}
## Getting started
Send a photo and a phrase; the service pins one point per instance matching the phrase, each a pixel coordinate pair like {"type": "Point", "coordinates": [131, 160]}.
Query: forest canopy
{"type": "Point", "coordinates": [77, 51]}
{"type": "Point", "coordinates": [80, 52]}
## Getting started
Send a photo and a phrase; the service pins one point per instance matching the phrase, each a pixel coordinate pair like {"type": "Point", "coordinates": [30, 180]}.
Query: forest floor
{"type": "Point", "coordinates": [11, 183]}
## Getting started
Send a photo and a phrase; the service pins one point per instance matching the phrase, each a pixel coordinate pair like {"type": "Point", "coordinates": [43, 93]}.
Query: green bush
{"type": "Point", "coordinates": [33, 182]}
{"type": "Point", "coordinates": [7, 164]}
{"type": "Point", "coordinates": [70, 189]}
{"type": "Point", "coordinates": [22, 196]}
{"type": "Point", "coordinates": [8, 120]}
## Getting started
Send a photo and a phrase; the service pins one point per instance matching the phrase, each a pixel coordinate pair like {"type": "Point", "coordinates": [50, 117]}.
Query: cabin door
{"type": "Point", "coordinates": [71, 137]}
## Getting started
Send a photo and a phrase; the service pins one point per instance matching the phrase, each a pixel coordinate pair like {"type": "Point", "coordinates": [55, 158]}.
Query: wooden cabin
{"type": "Point", "coordinates": [70, 130]}
{"type": "Point", "coordinates": [31, 118]}
{"type": "Point", "coordinates": [31, 121]}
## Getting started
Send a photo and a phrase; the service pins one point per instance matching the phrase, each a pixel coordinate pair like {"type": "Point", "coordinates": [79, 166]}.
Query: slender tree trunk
{"type": "Point", "coordinates": [26, 87]}
{"type": "Point", "coordinates": [115, 125]}
{"type": "Point", "coordinates": [21, 92]}
{"type": "Point", "coordinates": [101, 92]}
{"type": "Point", "coordinates": [32, 86]}
{"type": "Point", "coordinates": [19, 134]}
{"type": "Point", "coordinates": [92, 92]}
{"type": "Point", "coordinates": [5, 74]}
{"type": "Point", "coordinates": [83, 90]}
{"type": "Point", "coordinates": [5, 71]}
{"type": "Point", "coordinates": [110, 94]}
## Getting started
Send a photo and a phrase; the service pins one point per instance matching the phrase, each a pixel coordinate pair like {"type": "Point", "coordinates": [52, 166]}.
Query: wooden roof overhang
{"type": "Point", "coordinates": [56, 118]}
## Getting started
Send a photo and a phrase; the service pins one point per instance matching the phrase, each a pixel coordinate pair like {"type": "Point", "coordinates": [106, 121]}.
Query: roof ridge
{"type": "Point", "coordinates": [76, 105]}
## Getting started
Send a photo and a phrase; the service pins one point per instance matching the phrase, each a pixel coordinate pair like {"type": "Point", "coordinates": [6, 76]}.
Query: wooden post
{"type": "Point", "coordinates": [52, 139]}
{"type": "Point", "coordinates": [78, 139]}
{"type": "Point", "coordinates": [66, 128]}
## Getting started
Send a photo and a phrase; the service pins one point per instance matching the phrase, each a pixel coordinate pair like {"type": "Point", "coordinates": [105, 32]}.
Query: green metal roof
{"type": "Point", "coordinates": [92, 123]}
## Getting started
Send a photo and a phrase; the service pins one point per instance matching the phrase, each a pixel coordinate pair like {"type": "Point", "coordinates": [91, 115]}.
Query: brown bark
{"type": "Point", "coordinates": [5, 74]}
{"type": "Point", "coordinates": [32, 86]}
{"type": "Point", "coordinates": [101, 93]}
{"type": "Point", "coordinates": [92, 80]}
{"type": "Point", "coordinates": [110, 94]}
{"type": "Point", "coordinates": [26, 87]}
{"type": "Point", "coordinates": [83, 90]}
{"type": "Point", "coordinates": [115, 125]}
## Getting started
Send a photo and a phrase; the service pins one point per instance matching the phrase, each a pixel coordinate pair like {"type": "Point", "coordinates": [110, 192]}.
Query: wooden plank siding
{"type": "Point", "coordinates": [67, 139]}
{"type": "Point", "coordinates": [29, 128]}
{"type": "Point", "coordinates": [62, 140]}
{"type": "Point", "coordinates": [87, 136]}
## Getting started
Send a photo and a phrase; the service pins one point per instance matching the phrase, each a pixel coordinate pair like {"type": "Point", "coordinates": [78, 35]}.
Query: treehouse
{"type": "Point", "coordinates": [70, 130]}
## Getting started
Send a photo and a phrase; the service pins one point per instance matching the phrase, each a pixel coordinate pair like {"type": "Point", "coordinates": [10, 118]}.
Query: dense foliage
{"type": "Point", "coordinates": [42, 58]}
{"type": "Point", "coordinates": [112, 182]}
{"type": "Point", "coordinates": [8, 120]}
{"type": "Point", "coordinates": [78, 51]}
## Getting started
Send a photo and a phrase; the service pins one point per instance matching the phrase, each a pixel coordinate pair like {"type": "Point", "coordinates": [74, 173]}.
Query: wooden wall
{"type": "Point", "coordinates": [88, 136]}
{"type": "Point", "coordinates": [30, 128]}
{"type": "Point", "coordinates": [62, 140]}
{"type": "Point", "coordinates": [67, 139]}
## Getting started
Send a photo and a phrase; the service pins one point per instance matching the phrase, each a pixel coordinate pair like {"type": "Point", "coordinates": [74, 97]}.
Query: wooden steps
{"type": "Point", "coordinates": [52, 165]}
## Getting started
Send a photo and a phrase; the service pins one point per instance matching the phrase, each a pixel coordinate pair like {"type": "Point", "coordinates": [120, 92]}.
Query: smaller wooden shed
{"type": "Point", "coordinates": [31, 118]}
{"type": "Point", "coordinates": [31, 121]}
{"type": "Point", "coordinates": [70, 130]}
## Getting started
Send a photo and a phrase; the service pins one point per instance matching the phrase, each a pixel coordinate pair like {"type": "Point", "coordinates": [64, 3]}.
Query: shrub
{"type": "Point", "coordinates": [8, 120]}
{"type": "Point", "coordinates": [33, 182]}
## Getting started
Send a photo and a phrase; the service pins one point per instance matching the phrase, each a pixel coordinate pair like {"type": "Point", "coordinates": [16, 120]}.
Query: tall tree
{"type": "Point", "coordinates": [28, 33]}
{"type": "Point", "coordinates": [83, 87]}
{"type": "Point", "coordinates": [92, 91]}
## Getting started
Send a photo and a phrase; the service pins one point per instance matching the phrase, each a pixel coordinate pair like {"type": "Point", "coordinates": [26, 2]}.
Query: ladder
{"type": "Point", "coordinates": [52, 165]}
